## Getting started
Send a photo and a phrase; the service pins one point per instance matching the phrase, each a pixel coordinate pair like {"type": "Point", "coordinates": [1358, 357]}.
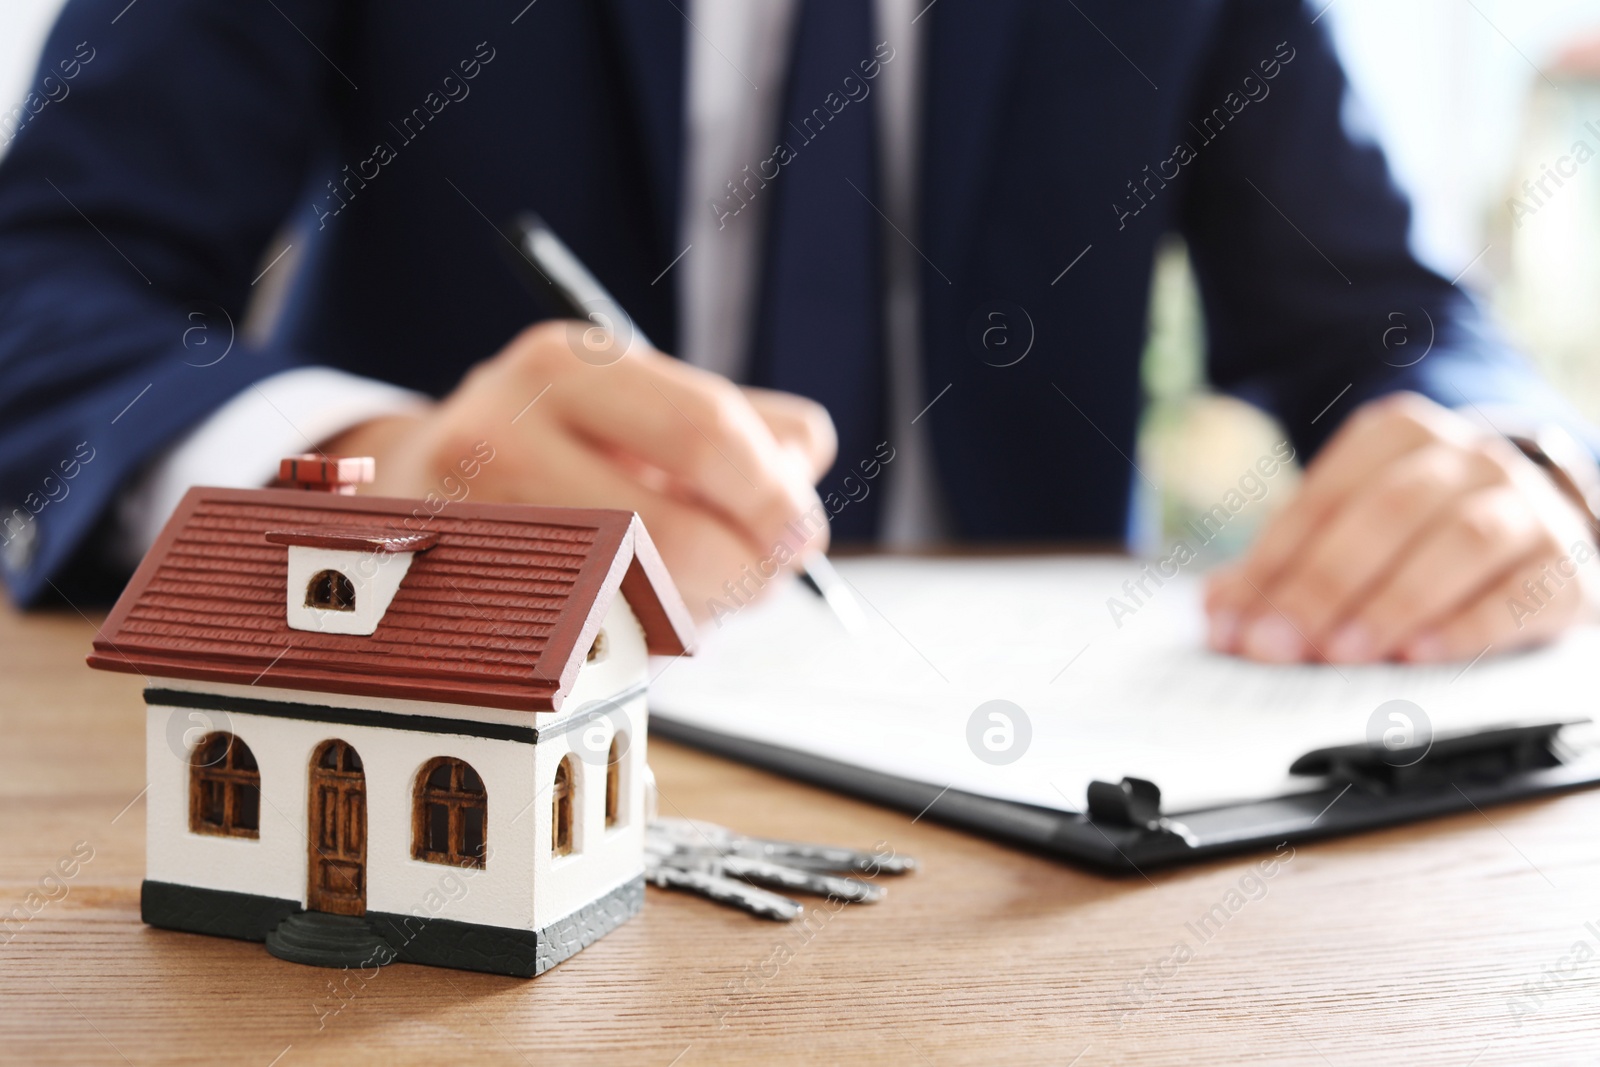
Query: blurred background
{"type": "Point", "coordinates": [1471, 98]}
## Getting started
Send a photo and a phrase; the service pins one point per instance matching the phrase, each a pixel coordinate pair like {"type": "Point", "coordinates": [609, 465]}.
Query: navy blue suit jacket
{"type": "Point", "coordinates": [149, 193]}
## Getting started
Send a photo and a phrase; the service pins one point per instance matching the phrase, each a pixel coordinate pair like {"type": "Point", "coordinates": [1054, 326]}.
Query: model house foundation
{"type": "Point", "coordinates": [377, 732]}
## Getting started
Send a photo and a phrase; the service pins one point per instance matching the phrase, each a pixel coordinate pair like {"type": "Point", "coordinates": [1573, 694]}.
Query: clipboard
{"type": "Point", "coordinates": [1124, 831]}
{"type": "Point", "coordinates": [1135, 747]}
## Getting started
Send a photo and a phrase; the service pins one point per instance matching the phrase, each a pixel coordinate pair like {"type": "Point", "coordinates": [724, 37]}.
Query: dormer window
{"type": "Point", "coordinates": [597, 651]}
{"type": "Point", "coordinates": [340, 580]}
{"type": "Point", "coordinates": [331, 591]}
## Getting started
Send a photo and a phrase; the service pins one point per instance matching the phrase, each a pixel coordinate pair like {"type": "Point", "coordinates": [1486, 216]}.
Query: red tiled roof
{"type": "Point", "coordinates": [499, 611]}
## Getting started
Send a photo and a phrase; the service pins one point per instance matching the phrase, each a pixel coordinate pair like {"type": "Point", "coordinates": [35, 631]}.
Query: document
{"type": "Point", "coordinates": [1102, 669]}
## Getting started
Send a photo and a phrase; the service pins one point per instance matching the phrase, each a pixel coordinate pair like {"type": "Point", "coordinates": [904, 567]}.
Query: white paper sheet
{"type": "Point", "coordinates": [1143, 699]}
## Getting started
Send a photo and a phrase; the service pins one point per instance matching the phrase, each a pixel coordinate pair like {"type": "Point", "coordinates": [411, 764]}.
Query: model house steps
{"type": "Point", "coordinates": [323, 940]}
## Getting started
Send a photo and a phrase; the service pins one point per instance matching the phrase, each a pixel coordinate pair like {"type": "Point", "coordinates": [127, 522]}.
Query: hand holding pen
{"type": "Point", "coordinates": [559, 278]}
{"type": "Point", "coordinates": [721, 476]}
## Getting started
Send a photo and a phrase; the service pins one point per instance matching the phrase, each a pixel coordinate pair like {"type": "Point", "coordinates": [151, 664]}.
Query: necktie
{"type": "Point", "coordinates": [819, 328]}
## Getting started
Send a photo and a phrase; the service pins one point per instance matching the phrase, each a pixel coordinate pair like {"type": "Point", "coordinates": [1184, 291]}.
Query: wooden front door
{"type": "Point", "coordinates": [338, 831]}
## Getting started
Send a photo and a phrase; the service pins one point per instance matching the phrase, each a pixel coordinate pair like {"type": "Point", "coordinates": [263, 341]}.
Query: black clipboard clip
{"type": "Point", "coordinates": [1484, 756]}
{"type": "Point", "coordinates": [1356, 788]}
{"type": "Point", "coordinates": [1135, 804]}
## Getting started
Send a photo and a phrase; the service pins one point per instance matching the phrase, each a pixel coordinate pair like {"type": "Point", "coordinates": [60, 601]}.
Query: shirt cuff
{"type": "Point", "coordinates": [240, 444]}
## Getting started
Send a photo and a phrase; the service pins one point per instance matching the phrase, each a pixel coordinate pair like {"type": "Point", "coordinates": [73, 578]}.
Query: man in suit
{"type": "Point", "coordinates": [919, 235]}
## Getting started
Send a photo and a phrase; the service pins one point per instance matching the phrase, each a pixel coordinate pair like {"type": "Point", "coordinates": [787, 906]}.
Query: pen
{"type": "Point", "coordinates": [554, 273]}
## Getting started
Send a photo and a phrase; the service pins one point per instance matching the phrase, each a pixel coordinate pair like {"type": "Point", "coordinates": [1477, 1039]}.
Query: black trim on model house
{"type": "Point", "coordinates": [389, 720]}
{"type": "Point", "coordinates": [413, 938]}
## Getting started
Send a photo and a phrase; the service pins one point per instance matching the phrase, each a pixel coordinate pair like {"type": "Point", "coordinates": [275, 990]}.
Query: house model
{"type": "Point", "coordinates": [380, 731]}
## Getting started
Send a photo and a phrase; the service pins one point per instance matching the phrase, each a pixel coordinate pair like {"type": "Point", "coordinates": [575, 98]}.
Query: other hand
{"type": "Point", "coordinates": [1415, 535]}
{"type": "Point", "coordinates": [722, 476]}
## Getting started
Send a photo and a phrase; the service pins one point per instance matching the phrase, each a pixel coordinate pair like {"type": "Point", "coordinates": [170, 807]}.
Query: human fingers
{"type": "Point", "coordinates": [800, 424]}
{"type": "Point", "coordinates": [1372, 532]}
{"type": "Point", "coordinates": [1469, 546]}
{"type": "Point", "coordinates": [1528, 605]}
{"type": "Point", "coordinates": [1373, 437]}
{"type": "Point", "coordinates": [702, 551]}
{"type": "Point", "coordinates": [695, 426]}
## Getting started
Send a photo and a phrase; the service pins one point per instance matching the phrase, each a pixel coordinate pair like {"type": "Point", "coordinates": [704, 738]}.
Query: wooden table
{"type": "Point", "coordinates": [1411, 946]}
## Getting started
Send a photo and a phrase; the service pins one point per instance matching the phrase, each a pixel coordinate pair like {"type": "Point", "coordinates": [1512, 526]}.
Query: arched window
{"type": "Point", "coordinates": [224, 788]}
{"type": "Point", "coordinates": [562, 803]}
{"type": "Point", "coordinates": [619, 750]}
{"type": "Point", "coordinates": [450, 816]}
{"type": "Point", "coordinates": [330, 591]}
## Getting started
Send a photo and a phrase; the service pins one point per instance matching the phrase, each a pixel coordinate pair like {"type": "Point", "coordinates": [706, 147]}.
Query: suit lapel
{"type": "Point", "coordinates": [651, 35]}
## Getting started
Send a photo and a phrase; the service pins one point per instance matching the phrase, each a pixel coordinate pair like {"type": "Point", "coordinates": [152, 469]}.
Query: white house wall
{"type": "Point", "coordinates": [524, 886]}
{"type": "Point", "coordinates": [625, 666]}
{"type": "Point", "coordinates": [601, 859]}
{"type": "Point", "coordinates": [276, 863]}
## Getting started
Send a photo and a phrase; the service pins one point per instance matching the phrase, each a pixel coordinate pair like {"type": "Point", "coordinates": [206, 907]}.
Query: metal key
{"type": "Point", "coordinates": [722, 865]}
{"type": "Point", "coordinates": [691, 833]}
{"type": "Point", "coordinates": [730, 891]}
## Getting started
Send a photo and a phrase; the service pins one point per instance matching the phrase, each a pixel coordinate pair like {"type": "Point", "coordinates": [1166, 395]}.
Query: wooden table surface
{"type": "Point", "coordinates": [1421, 945]}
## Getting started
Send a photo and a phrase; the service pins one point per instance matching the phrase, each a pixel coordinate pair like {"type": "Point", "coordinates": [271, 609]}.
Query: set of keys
{"type": "Point", "coordinates": [732, 869]}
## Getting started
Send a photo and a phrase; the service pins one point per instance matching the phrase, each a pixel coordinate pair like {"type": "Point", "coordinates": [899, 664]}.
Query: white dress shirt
{"type": "Point", "coordinates": [737, 54]}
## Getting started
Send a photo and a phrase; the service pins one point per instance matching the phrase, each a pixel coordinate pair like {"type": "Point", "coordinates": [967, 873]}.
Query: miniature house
{"type": "Point", "coordinates": [377, 732]}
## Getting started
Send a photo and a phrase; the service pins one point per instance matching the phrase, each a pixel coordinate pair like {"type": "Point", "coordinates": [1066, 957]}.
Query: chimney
{"type": "Point", "coordinates": [325, 474]}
